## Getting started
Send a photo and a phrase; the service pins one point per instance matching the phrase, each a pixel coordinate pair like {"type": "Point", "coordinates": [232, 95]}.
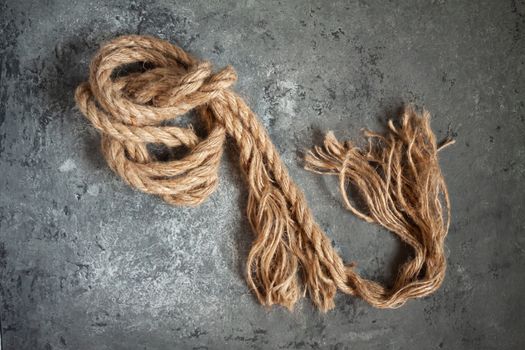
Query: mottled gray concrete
{"type": "Point", "coordinates": [88, 263]}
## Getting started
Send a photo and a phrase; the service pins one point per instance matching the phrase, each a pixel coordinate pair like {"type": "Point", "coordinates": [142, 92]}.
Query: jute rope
{"type": "Point", "coordinates": [397, 177]}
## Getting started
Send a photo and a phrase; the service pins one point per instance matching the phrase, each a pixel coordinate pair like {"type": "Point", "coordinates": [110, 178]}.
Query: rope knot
{"type": "Point", "coordinates": [131, 111]}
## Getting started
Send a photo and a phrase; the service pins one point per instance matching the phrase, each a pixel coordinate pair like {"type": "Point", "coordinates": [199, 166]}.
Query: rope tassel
{"type": "Point", "coordinates": [397, 178]}
{"type": "Point", "coordinates": [400, 185]}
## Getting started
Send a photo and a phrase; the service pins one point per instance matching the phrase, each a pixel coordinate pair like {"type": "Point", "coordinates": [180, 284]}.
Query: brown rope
{"type": "Point", "coordinates": [397, 177]}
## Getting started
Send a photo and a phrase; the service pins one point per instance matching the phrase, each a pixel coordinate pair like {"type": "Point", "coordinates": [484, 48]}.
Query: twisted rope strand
{"type": "Point", "coordinates": [398, 177]}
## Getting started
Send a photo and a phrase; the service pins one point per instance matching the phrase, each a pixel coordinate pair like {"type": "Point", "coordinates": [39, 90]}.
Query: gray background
{"type": "Point", "coordinates": [88, 263]}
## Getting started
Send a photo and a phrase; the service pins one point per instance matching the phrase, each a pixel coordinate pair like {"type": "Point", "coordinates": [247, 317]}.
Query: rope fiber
{"type": "Point", "coordinates": [396, 178]}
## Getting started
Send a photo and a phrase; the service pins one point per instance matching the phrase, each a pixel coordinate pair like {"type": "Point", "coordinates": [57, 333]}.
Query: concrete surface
{"type": "Point", "coordinates": [88, 263]}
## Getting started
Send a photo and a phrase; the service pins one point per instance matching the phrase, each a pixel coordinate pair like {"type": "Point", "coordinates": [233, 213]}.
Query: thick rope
{"type": "Point", "coordinates": [397, 177]}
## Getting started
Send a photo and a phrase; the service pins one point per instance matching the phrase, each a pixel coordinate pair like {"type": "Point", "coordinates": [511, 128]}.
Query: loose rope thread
{"type": "Point", "coordinates": [397, 177]}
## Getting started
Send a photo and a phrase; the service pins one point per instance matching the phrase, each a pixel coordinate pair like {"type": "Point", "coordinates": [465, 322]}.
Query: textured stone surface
{"type": "Point", "coordinates": [88, 263]}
